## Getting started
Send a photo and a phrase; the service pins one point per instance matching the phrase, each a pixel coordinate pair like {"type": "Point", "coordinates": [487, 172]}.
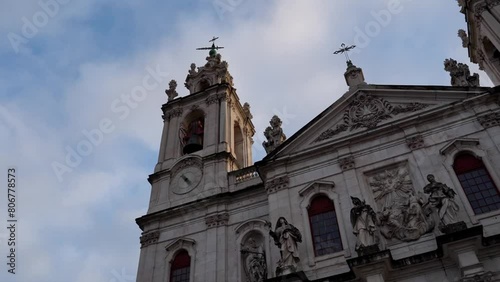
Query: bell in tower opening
{"type": "Point", "coordinates": [191, 134]}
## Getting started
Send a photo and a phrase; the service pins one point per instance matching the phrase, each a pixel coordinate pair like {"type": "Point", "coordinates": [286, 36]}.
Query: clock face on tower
{"type": "Point", "coordinates": [186, 179]}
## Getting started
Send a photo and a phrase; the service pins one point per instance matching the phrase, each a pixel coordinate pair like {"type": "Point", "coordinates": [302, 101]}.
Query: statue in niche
{"type": "Point", "coordinates": [442, 198]}
{"type": "Point", "coordinates": [404, 215]}
{"type": "Point", "coordinates": [363, 219]}
{"type": "Point", "coordinates": [254, 260]}
{"type": "Point", "coordinates": [286, 237]}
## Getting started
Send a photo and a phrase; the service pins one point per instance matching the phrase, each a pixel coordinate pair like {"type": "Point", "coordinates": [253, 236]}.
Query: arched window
{"type": "Point", "coordinates": [324, 226]}
{"type": "Point", "coordinates": [181, 265]}
{"type": "Point", "coordinates": [477, 184]}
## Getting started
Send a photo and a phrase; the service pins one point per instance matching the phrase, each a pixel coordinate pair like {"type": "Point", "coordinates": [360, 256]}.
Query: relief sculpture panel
{"type": "Point", "coordinates": [403, 214]}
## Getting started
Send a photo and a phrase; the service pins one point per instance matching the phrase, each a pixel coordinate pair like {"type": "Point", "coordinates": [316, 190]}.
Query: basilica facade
{"type": "Point", "coordinates": [389, 183]}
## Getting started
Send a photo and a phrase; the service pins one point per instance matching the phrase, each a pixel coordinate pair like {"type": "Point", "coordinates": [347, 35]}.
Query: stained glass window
{"type": "Point", "coordinates": [324, 226]}
{"type": "Point", "coordinates": [477, 184]}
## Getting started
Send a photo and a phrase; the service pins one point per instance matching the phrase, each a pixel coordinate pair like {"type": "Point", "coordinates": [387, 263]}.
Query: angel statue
{"type": "Point", "coordinates": [363, 219]}
{"type": "Point", "coordinates": [286, 237]}
{"type": "Point", "coordinates": [441, 197]}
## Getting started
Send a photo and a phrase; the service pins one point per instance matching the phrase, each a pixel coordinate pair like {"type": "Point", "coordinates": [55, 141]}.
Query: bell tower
{"type": "Point", "coordinates": [206, 134]}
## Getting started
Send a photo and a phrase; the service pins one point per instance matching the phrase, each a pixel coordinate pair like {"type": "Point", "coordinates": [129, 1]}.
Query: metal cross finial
{"type": "Point", "coordinates": [213, 48]}
{"type": "Point", "coordinates": [344, 50]}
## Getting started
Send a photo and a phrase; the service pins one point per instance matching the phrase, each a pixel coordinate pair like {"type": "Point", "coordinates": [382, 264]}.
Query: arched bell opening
{"type": "Point", "coordinates": [239, 146]}
{"type": "Point", "coordinates": [192, 132]}
{"type": "Point", "coordinates": [202, 85]}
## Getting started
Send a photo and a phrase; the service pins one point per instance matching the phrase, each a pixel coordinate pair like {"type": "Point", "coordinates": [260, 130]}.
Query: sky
{"type": "Point", "coordinates": [82, 150]}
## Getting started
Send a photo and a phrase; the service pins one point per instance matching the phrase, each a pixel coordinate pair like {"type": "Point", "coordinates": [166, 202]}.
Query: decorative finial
{"type": "Point", "coordinates": [344, 49]}
{"type": "Point", "coordinates": [465, 39]}
{"type": "Point", "coordinates": [213, 49]}
{"type": "Point", "coordinates": [171, 93]}
{"type": "Point", "coordinates": [274, 134]}
{"type": "Point", "coordinates": [460, 74]}
{"type": "Point", "coordinates": [246, 110]}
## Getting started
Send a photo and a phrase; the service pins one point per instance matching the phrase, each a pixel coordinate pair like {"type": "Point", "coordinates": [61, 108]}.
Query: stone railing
{"type": "Point", "coordinates": [245, 174]}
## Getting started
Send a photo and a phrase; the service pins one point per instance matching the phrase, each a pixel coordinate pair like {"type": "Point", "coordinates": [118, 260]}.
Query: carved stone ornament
{"type": "Point", "coordinates": [442, 197]}
{"type": "Point", "coordinates": [276, 184]}
{"type": "Point", "coordinates": [460, 74]}
{"type": "Point", "coordinates": [346, 163]}
{"type": "Point", "coordinates": [286, 236]}
{"type": "Point", "coordinates": [192, 70]}
{"type": "Point", "coordinates": [171, 93]}
{"type": "Point", "coordinates": [480, 58]}
{"type": "Point", "coordinates": [489, 120]}
{"type": "Point", "coordinates": [177, 112]}
{"type": "Point", "coordinates": [149, 238]}
{"type": "Point", "coordinates": [246, 110]}
{"type": "Point", "coordinates": [403, 215]}
{"type": "Point", "coordinates": [415, 142]}
{"type": "Point", "coordinates": [215, 71]}
{"type": "Point", "coordinates": [367, 111]}
{"type": "Point", "coordinates": [254, 259]}
{"type": "Point", "coordinates": [461, 4]}
{"type": "Point", "coordinates": [483, 277]}
{"type": "Point", "coordinates": [363, 220]}
{"type": "Point", "coordinates": [465, 39]}
{"type": "Point", "coordinates": [216, 98]}
{"type": "Point", "coordinates": [274, 135]}
{"type": "Point", "coordinates": [217, 220]}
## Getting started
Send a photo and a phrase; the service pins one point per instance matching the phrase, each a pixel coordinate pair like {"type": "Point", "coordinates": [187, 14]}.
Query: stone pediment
{"type": "Point", "coordinates": [180, 243]}
{"type": "Point", "coordinates": [368, 109]}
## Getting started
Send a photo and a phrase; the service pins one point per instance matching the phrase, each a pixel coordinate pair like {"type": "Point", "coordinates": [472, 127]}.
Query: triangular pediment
{"type": "Point", "coordinates": [368, 109]}
{"type": "Point", "coordinates": [180, 243]}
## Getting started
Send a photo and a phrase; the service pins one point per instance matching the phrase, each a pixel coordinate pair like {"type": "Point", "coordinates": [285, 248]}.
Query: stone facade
{"type": "Point", "coordinates": [482, 37]}
{"type": "Point", "coordinates": [369, 156]}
